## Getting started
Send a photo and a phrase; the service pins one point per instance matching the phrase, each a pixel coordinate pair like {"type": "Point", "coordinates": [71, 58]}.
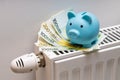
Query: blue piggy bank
{"type": "Point", "coordinates": [82, 28]}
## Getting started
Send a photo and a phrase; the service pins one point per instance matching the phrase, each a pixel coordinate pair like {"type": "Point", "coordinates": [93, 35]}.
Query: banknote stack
{"type": "Point", "coordinates": [52, 35]}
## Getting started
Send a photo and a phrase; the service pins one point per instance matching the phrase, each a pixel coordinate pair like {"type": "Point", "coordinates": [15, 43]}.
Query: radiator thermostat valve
{"type": "Point", "coordinates": [26, 63]}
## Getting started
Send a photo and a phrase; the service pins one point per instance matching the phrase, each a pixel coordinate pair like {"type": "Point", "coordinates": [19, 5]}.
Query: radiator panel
{"type": "Point", "coordinates": [102, 65]}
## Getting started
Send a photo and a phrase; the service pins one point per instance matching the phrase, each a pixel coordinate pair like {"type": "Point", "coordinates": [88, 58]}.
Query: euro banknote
{"type": "Point", "coordinates": [50, 29]}
{"type": "Point", "coordinates": [59, 22]}
{"type": "Point", "coordinates": [53, 30]}
{"type": "Point", "coordinates": [44, 34]}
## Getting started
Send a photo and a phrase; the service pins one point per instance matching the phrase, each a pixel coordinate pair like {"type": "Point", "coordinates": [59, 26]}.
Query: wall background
{"type": "Point", "coordinates": [19, 17]}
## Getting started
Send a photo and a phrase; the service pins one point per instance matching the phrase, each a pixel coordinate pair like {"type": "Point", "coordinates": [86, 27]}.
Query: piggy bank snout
{"type": "Point", "coordinates": [73, 33]}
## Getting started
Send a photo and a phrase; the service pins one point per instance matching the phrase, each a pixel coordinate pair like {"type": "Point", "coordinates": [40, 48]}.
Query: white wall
{"type": "Point", "coordinates": [19, 17]}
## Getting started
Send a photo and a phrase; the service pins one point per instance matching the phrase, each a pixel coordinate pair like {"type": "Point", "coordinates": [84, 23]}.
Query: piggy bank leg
{"type": "Point", "coordinates": [94, 42]}
{"type": "Point", "coordinates": [80, 45]}
{"type": "Point", "coordinates": [87, 45]}
{"type": "Point", "coordinates": [91, 44]}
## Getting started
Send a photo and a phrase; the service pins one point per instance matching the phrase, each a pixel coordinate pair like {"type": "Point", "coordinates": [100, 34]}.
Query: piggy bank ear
{"type": "Point", "coordinates": [87, 18]}
{"type": "Point", "coordinates": [71, 14]}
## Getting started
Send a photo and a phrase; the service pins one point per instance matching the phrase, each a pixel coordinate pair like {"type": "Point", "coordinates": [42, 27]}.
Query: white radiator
{"type": "Point", "coordinates": [103, 64]}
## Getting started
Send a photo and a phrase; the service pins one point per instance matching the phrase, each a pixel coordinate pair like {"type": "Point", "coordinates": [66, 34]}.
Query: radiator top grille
{"type": "Point", "coordinates": [58, 52]}
{"type": "Point", "coordinates": [112, 35]}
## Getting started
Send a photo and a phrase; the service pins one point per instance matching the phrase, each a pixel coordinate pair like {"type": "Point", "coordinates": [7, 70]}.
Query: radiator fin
{"type": "Point", "coordinates": [99, 71]}
{"type": "Point", "coordinates": [118, 70]}
{"type": "Point", "coordinates": [87, 72]}
{"type": "Point", "coordinates": [109, 70]}
{"type": "Point", "coordinates": [76, 74]}
{"type": "Point", "coordinates": [64, 75]}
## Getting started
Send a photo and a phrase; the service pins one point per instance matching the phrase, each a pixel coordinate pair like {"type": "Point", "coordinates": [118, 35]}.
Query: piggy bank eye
{"type": "Point", "coordinates": [70, 24]}
{"type": "Point", "coordinates": [81, 26]}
